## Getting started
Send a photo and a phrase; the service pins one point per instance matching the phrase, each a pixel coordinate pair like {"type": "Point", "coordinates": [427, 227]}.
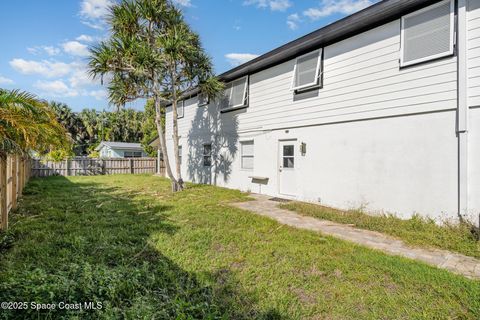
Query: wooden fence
{"type": "Point", "coordinates": [14, 174]}
{"type": "Point", "coordinates": [90, 167]}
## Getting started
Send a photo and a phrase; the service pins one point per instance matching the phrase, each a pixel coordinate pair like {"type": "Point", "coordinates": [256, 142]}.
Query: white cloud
{"type": "Point", "coordinates": [100, 25]}
{"type": "Point", "coordinates": [274, 5]}
{"type": "Point", "coordinates": [97, 94]}
{"type": "Point", "coordinates": [183, 3]}
{"type": "Point", "coordinates": [50, 50]}
{"type": "Point", "coordinates": [329, 7]}
{"type": "Point", "coordinates": [80, 78]}
{"type": "Point", "coordinates": [56, 88]}
{"type": "Point", "coordinates": [94, 9]}
{"type": "Point", "coordinates": [93, 12]}
{"type": "Point", "coordinates": [49, 69]}
{"type": "Point", "coordinates": [279, 5]}
{"type": "Point", "coordinates": [236, 59]}
{"type": "Point", "coordinates": [293, 20]}
{"type": "Point", "coordinates": [76, 48]}
{"type": "Point", "coordinates": [4, 80]}
{"type": "Point", "coordinates": [84, 38]}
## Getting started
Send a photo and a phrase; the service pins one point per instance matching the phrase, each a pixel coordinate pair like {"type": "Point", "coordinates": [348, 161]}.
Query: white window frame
{"type": "Point", "coordinates": [247, 156]}
{"type": "Point", "coordinates": [202, 104]}
{"type": "Point", "coordinates": [245, 97]}
{"type": "Point", "coordinates": [317, 71]}
{"type": "Point", "coordinates": [435, 56]}
{"type": "Point", "coordinates": [180, 105]}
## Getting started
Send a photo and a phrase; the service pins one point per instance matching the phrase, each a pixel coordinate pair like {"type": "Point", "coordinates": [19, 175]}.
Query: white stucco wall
{"type": "Point", "coordinates": [474, 164]}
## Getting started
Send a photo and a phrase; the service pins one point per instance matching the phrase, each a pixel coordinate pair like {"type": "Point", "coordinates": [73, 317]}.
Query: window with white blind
{"type": "Point", "coordinates": [202, 99]}
{"type": "Point", "coordinates": [307, 70]}
{"type": "Point", "coordinates": [247, 155]}
{"type": "Point", "coordinates": [235, 94]}
{"type": "Point", "coordinates": [428, 33]}
{"type": "Point", "coordinates": [180, 109]}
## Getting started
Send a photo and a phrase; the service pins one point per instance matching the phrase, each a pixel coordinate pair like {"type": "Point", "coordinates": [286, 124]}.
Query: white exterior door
{"type": "Point", "coordinates": [286, 168]}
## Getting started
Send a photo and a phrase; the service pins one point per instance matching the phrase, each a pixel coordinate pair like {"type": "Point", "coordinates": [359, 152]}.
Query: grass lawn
{"type": "Point", "coordinates": [144, 253]}
{"type": "Point", "coordinates": [415, 231]}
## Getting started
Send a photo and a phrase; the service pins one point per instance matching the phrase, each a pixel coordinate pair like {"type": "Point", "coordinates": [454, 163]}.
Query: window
{"type": "Point", "coordinates": [427, 34]}
{"type": "Point", "coordinates": [307, 71]}
{"type": "Point", "coordinates": [202, 99]}
{"type": "Point", "coordinates": [247, 148]}
{"type": "Point", "coordinates": [180, 109]}
{"type": "Point", "coordinates": [132, 154]}
{"type": "Point", "coordinates": [235, 95]}
{"type": "Point", "coordinates": [207, 155]}
{"type": "Point", "coordinates": [288, 156]}
{"type": "Point", "coordinates": [180, 154]}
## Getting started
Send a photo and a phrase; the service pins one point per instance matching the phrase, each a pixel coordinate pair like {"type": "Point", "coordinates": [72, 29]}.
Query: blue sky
{"type": "Point", "coordinates": [44, 43]}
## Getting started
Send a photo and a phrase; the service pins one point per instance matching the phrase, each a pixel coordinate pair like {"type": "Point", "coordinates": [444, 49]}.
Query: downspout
{"type": "Point", "coordinates": [462, 113]}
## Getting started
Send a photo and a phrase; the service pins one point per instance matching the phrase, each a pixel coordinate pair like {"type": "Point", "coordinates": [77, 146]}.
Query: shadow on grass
{"type": "Point", "coordinates": [85, 242]}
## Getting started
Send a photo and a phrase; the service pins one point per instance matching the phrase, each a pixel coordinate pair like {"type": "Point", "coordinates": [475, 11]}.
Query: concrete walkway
{"type": "Point", "coordinates": [454, 262]}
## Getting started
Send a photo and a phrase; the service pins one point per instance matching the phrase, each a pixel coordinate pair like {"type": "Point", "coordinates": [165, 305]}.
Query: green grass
{"type": "Point", "coordinates": [144, 253]}
{"type": "Point", "coordinates": [415, 231]}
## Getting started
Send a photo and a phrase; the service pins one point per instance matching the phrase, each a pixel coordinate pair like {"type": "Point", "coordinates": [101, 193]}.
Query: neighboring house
{"type": "Point", "coordinates": [108, 149]}
{"type": "Point", "coordinates": [379, 110]}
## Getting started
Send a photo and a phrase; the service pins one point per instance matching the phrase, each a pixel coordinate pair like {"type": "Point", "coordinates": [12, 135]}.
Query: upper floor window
{"type": "Point", "coordinates": [202, 99]}
{"type": "Point", "coordinates": [428, 33]}
{"type": "Point", "coordinates": [235, 95]}
{"type": "Point", "coordinates": [180, 109]}
{"type": "Point", "coordinates": [307, 70]}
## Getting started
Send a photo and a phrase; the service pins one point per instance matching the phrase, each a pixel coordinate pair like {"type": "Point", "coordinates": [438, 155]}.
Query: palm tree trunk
{"type": "Point", "coordinates": [178, 169]}
{"type": "Point", "coordinates": [163, 144]}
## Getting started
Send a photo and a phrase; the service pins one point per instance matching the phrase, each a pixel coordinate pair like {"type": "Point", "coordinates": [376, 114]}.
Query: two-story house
{"type": "Point", "coordinates": [379, 110]}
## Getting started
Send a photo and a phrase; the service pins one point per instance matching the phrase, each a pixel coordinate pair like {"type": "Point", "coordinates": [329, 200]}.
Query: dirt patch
{"type": "Point", "coordinates": [304, 297]}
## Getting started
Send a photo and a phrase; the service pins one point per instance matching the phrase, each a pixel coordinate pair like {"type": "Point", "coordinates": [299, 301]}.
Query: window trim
{"type": "Point", "coordinates": [247, 156]}
{"type": "Point", "coordinates": [317, 71]}
{"type": "Point", "coordinates": [205, 103]}
{"type": "Point", "coordinates": [435, 56]}
{"type": "Point", "coordinates": [132, 154]}
{"type": "Point", "coordinates": [181, 104]}
{"type": "Point", "coordinates": [245, 95]}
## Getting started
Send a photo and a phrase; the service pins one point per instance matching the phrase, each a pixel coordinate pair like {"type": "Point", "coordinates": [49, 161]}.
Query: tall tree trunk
{"type": "Point", "coordinates": [162, 141]}
{"type": "Point", "coordinates": [178, 168]}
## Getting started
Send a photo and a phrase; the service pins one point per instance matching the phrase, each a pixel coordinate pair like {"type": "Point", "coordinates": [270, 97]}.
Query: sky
{"type": "Point", "coordinates": [45, 42]}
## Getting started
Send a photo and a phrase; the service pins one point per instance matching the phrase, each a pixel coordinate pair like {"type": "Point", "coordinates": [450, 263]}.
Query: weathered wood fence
{"type": "Point", "coordinates": [14, 174]}
{"type": "Point", "coordinates": [90, 167]}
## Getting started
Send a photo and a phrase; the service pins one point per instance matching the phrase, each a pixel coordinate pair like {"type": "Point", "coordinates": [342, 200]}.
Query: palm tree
{"type": "Point", "coordinates": [74, 125]}
{"type": "Point", "coordinates": [27, 123]}
{"type": "Point", "coordinates": [152, 53]}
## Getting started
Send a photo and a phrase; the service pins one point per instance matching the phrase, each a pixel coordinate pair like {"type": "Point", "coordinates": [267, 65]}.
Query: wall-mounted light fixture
{"type": "Point", "coordinates": [303, 148]}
